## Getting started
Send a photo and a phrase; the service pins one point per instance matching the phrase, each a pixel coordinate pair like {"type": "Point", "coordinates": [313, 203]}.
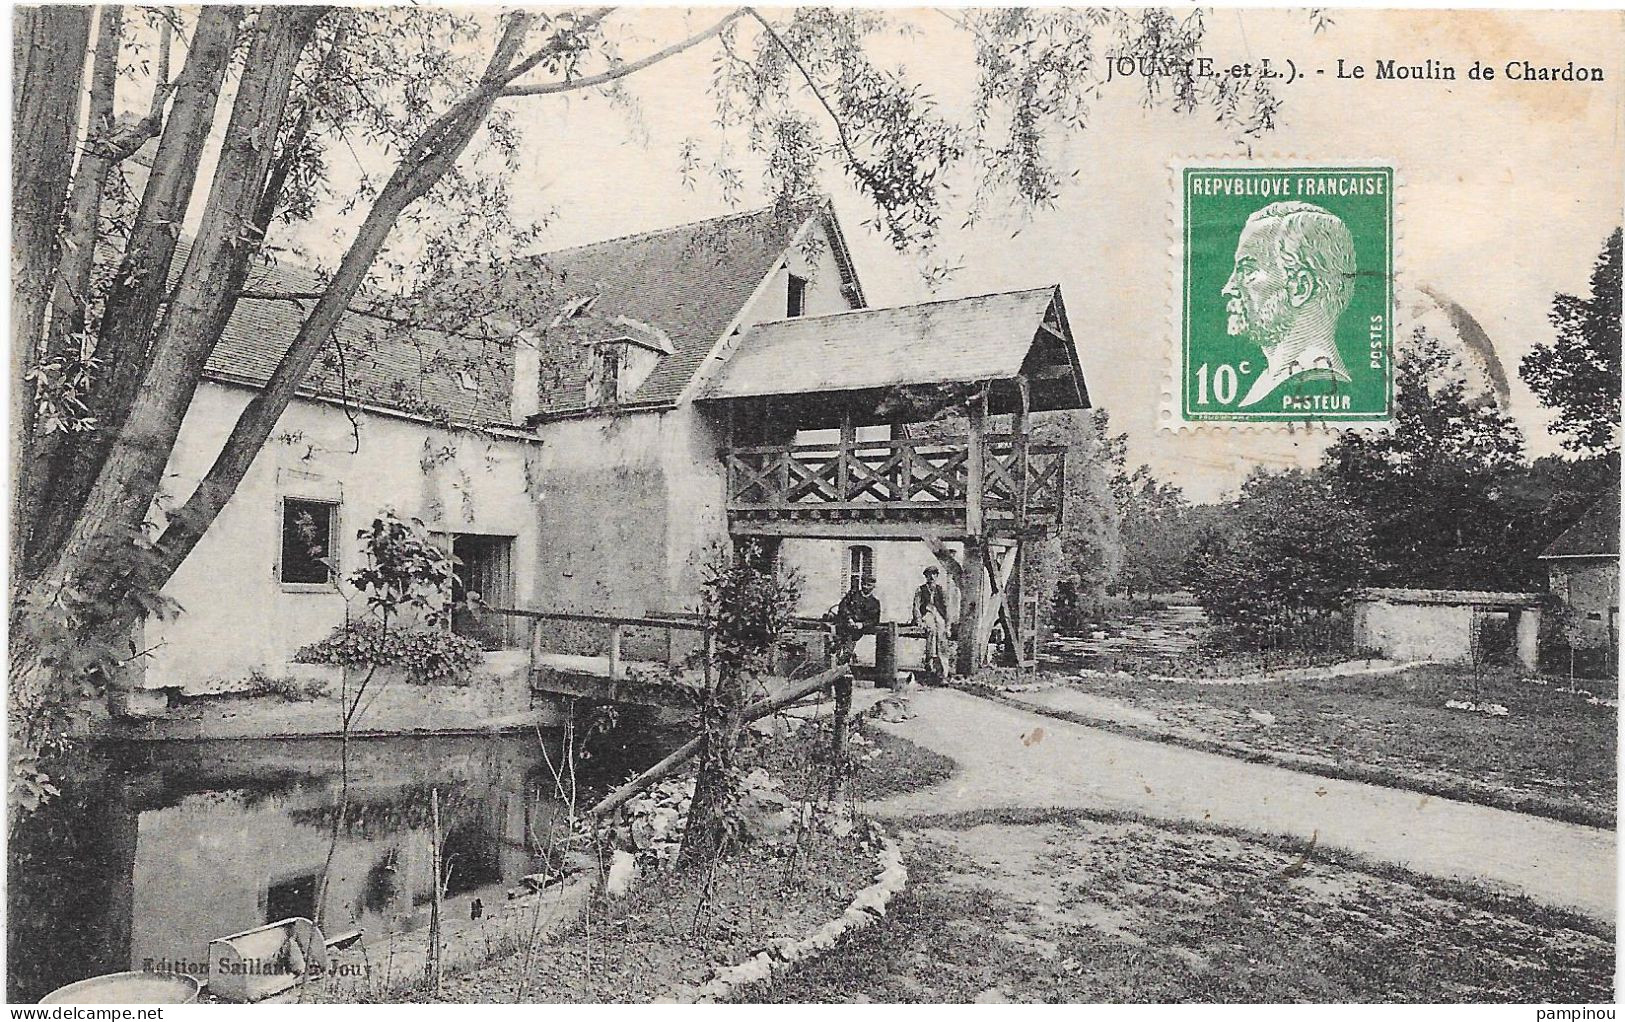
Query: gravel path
{"type": "Point", "coordinates": [1011, 758]}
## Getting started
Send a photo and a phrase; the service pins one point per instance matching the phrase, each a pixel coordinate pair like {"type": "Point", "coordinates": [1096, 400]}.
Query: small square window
{"type": "Point", "coordinates": [308, 527]}
{"type": "Point", "coordinates": [796, 299]}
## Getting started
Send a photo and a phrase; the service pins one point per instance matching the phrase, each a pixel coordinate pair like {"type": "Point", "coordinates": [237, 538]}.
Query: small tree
{"type": "Point", "coordinates": [411, 589]}
{"type": "Point", "coordinates": [747, 607]}
{"type": "Point", "coordinates": [1282, 559]}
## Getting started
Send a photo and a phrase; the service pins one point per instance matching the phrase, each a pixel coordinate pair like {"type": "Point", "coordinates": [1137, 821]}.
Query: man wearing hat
{"type": "Point", "coordinates": [931, 613]}
{"type": "Point", "coordinates": [857, 614]}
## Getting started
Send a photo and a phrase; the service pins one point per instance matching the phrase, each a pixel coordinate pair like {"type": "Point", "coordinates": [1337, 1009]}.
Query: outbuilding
{"type": "Point", "coordinates": [1447, 624]}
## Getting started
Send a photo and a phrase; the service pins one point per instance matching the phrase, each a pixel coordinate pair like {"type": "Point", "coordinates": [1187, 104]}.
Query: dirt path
{"type": "Point", "coordinates": [1011, 758]}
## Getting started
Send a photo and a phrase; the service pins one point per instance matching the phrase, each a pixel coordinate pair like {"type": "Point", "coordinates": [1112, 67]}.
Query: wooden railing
{"type": "Point", "coordinates": [901, 474]}
{"type": "Point", "coordinates": [616, 628]}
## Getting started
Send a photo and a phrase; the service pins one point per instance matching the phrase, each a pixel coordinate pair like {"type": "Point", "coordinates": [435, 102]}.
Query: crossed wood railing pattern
{"type": "Point", "coordinates": [901, 474]}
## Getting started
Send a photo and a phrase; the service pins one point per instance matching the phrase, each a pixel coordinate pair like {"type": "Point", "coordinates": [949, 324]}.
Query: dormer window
{"type": "Point", "coordinates": [621, 362]}
{"type": "Point", "coordinates": [604, 378]}
{"type": "Point", "coordinates": [795, 301]}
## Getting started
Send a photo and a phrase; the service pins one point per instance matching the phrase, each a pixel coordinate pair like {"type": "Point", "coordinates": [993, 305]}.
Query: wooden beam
{"type": "Point", "coordinates": [854, 529]}
{"type": "Point", "coordinates": [1010, 595]}
{"type": "Point", "coordinates": [753, 712]}
{"type": "Point", "coordinates": [975, 466]}
{"type": "Point", "coordinates": [1005, 609]}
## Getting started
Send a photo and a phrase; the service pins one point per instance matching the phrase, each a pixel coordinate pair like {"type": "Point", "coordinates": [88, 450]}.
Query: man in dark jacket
{"type": "Point", "coordinates": [857, 615]}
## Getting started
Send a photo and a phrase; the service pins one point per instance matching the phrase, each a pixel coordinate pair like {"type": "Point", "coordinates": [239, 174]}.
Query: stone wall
{"type": "Point", "coordinates": [1438, 631]}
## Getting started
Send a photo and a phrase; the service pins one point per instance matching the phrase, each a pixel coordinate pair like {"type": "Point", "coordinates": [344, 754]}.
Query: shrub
{"type": "Point", "coordinates": [290, 690]}
{"type": "Point", "coordinates": [427, 656]}
{"type": "Point", "coordinates": [1278, 570]}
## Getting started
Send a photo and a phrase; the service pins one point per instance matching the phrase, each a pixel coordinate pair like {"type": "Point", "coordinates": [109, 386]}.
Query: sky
{"type": "Point", "coordinates": [1506, 190]}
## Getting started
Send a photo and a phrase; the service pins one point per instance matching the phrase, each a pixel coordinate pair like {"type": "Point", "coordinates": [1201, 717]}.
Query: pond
{"type": "Point", "coordinates": [155, 849]}
{"type": "Point", "coordinates": [1151, 636]}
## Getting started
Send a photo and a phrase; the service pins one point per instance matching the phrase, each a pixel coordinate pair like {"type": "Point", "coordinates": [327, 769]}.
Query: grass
{"type": "Point", "coordinates": [674, 928]}
{"type": "Point", "coordinates": [1552, 755]}
{"type": "Point", "coordinates": [1089, 907]}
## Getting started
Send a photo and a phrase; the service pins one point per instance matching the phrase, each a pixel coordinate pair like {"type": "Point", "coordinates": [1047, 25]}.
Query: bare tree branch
{"type": "Point", "coordinates": [620, 71]}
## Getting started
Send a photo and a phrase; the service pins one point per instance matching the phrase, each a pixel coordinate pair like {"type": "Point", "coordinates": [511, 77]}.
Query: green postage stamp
{"type": "Point", "coordinates": [1285, 291]}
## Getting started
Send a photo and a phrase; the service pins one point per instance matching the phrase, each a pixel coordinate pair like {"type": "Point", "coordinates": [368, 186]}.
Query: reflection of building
{"type": "Point", "coordinates": [1447, 624]}
{"type": "Point", "coordinates": [1582, 570]}
{"type": "Point", "coordinates": [186, 844]}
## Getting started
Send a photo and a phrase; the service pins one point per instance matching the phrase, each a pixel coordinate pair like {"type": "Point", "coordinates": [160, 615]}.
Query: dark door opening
{"type": "Point", "coordinates": [485, 569]}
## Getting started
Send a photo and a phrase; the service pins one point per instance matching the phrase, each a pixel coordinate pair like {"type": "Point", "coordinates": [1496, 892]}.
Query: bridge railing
{"type": "Point", "coordinates": [617, 626]}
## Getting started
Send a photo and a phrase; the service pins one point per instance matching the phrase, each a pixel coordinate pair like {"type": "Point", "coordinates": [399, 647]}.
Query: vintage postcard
{"type": "Point", "coordinates": [645, 505]}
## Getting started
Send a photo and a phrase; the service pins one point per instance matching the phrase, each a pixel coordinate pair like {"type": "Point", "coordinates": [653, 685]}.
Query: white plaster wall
{"type": "Point", "coordinates": [1591, 588]}
{"type": "Point", "coordinates": [237, 615]}
{"type": "Point", "coordinates": [899, 570]}
{"type": "Point", "coordinates": [815, 263]}
{"type": "Point", "coordinates": [1415, 631]}
{"type": "Point", "coordinates": [633, 503]}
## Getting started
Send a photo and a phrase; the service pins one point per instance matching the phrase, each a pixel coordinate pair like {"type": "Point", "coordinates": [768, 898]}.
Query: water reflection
{"type": "Point", "coordinates": [156, 849]}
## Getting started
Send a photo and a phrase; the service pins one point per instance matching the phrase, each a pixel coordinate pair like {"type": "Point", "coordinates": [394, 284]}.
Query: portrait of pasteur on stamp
{"type": "Point", "coordinates": [1286, 293]}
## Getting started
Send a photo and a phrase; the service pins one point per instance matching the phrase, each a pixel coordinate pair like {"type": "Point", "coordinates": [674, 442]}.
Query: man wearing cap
{"type": "Point", "coordinates": [857, 614]}
{"type": "Point", "coordinates": [931, 613]}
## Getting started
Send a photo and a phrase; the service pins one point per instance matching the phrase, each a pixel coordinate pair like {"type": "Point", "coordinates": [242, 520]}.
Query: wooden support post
{"type": "Point", "coordinates": [840, 729]}
{"type": "Point", "coordinates": [969, 658]}
{"type": "Point", "coordinates": [535, 644]}
{"type": "Point", "coordinates": [975, 465]}
{"type": "Point", "coordinates": [969, 654]}
{"type": "Point", "coordinates": [886, 654]}
{"type": "Point", "coordinates": [1021, 426]}
{"type": "Point", "coordinates": [843, 463]}
{"type": "Point", "coordinates": [1013, 590]}
{"type": "Point", "coordinates": [614, 652]}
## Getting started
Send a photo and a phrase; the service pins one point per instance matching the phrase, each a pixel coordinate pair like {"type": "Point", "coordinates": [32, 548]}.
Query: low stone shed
{"type": "Point", "coordinates": [1440, 624]}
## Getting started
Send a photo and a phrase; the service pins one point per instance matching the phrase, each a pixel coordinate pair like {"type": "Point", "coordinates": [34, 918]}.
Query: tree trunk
{"type": "Point", "coordinates": [706, 835]}
{"type": "Point", "coordinates": [203, 300]}
{"type": "Point", "coordinates": [423, 165]}
{"type": "Point", "coordinates": [71, 292]}
{"type": "Point", "coordinates": [48, 62]}
{"type": "Point", "coordinates": [140, 284]}
{"type": "Point", "coordinates": [721, 719]}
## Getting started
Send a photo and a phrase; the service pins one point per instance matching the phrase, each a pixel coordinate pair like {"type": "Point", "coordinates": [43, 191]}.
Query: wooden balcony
{"type": "Point", "coordinates": [902, 487]}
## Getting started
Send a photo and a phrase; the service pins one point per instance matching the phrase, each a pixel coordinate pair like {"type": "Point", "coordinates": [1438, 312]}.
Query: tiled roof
{"type": "Point", "coordinates": [1596, 534]}
{"type": "Point", "coordinates": [442, 376]}
{"type": "Point", "coordinates": [688, 282]}
{"type": "Point", "coordinates": [1452, 597]}
{"type": "Point", "coordinates": [960, 340]}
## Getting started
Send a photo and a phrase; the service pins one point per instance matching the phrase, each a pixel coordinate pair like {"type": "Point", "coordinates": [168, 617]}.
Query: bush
{"type": "Point", "coordinates": [1278, 570]}
{"type": "Point", "coordinates": [427, 656]}
{"type": "Point", "coordinates": [290, 690]}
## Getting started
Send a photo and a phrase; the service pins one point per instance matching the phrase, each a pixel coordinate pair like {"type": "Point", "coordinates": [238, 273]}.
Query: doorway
{"type": "Point", "coordinates": [485, 568]}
